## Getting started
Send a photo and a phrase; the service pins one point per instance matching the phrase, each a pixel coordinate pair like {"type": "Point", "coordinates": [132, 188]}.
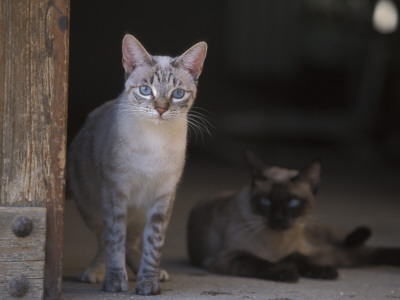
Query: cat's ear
{"type": "Point", "coordinates": [193, 59]}
{"type": "Point", "coordinates": [312, 174]}
{"type": "Point", "coordinates": [256, 166]}
{"type": "Point", "coordinates": [133, 54]}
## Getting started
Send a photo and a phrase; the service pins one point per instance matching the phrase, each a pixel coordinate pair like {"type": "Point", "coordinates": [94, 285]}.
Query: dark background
{"type": "Point", "coordinates": [289, 79]}
{"type": "Point", "coordinates": [279, 73]}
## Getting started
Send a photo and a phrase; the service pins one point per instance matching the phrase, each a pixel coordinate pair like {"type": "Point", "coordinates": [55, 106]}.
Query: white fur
{"type": "Point", "coordinates": [127, 160]}
{"type": "Point", "coordinates": [151, 159]}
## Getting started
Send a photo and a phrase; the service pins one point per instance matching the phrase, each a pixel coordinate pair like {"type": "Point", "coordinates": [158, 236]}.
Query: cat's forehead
{"type": "Point", "coordinates": [163, 62]}
{"type": "Point", "coordinates": [279, 175]}
{"type": "Point", "coordinates": [161, 72]}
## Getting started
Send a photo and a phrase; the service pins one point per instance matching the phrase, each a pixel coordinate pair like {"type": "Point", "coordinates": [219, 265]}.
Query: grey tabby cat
{"type": "Point", "coordinates": [125, 163]}
{"type": "Point", "coordinates": [264, 230]}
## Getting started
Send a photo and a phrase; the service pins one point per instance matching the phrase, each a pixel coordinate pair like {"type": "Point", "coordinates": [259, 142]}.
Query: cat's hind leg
{"type": "Point", "coordinates": [95, 273]}
{"type": "Point", "coordinates": [357, 237]}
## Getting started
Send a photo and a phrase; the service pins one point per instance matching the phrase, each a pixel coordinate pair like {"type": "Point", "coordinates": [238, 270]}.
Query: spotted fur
{"type": "Point", "coordinates": [125, 163]}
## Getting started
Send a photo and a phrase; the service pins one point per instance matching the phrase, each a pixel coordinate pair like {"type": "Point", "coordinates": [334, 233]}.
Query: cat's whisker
{"type": "Point", "coordinates": [189, 123]}
{"type": "Point", "coordinates": [201, 118]}
{"type": "Point", "coordinates": [200, 114]}
{"type": "Point", "coordinates": [196, 129]}
{"type": "Point", "coordinates": [255, 232]}
{"type": "Point", "coordinates": [200, 108]}
{"type": "Point", "coordinates": [198, 125]}
{"type": "Point", "coordinates": [249, 228]}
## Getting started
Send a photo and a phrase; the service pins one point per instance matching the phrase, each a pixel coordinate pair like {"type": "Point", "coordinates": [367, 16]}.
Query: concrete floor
{"type": "Point", "coordinates": [358, 187]}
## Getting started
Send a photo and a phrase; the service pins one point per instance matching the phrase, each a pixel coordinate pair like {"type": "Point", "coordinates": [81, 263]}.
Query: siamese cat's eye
{"type": "Point", "coordinates": [145, 90]}
{"type": "Point", "coordinates": [178, 93]}
{"type": "Point", "coordinates": [294, 202]}
{"type": "Point", "coordinates": [265, 202]}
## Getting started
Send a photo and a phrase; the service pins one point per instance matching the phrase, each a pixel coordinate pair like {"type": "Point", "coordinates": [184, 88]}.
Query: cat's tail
{"type": "Point", "coordinates": [385, 256]}
{"type": "Point", "coordinates": [362, 255]}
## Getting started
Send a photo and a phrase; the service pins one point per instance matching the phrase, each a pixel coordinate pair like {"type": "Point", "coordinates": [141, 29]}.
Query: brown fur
{"type": "Point", "coordinates": [242, 233]}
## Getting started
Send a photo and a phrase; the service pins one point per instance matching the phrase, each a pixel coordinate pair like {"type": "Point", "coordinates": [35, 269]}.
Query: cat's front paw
{"type": "Point", "coordinates": [288, 275]}
{"type": "Point", "coordinates": [283, 274]}
{"type": "Point", "coordinates": [320, 272]}
{"type": "Point", "coordinates": [148, 287]}
{"type": "Point", "coordinates": [115, 282]}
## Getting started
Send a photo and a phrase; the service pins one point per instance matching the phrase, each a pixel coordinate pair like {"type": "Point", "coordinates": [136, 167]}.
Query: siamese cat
{"type": "Point", "coordinates": [125, 163]}
{"type": "Point", "coordinates": [264, 230]}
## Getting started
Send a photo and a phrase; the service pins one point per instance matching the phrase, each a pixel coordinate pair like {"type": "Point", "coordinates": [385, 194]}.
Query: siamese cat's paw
{"type": "Point", "coordinates": [92, 274]}
{"type": "Point", "coordinates": [320, 272]}
{"type": "Point", "coordinates": [283, 274]}
{"type": "Point", "coordinates": [148, 287]}
{"type": "Point", "coordinates": [116, 281]}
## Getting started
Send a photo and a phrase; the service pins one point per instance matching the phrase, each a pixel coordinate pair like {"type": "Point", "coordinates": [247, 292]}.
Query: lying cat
{"type": "Point", "coordinates": [264, 230]}
{"type": "Point", "coordinates": [125, 163]}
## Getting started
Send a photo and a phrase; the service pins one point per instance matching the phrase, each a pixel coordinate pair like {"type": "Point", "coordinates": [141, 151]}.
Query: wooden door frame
{"type": "Point", "coordinates": [34, 52]}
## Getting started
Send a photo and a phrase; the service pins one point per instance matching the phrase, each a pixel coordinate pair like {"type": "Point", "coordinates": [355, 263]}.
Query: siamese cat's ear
{"type": "Point", "coordinates": [133, 54]}
{"type": "Point", "coordinates": [255, 165]}
{"type": "Point", "coordinates": [312, 174]}
{"type": "Point", "coordinates": [193, 59]}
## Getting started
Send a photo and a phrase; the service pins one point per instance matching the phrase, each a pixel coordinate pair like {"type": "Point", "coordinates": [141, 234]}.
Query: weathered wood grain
{"type": "Point", "coordinates": [17, 249]}
{"type": "Point", "coordinates": [23, 255]}
{"type": "Point", "coordinates": [34, 38]}
{"type": "Point", "coordinates": [35, 290]}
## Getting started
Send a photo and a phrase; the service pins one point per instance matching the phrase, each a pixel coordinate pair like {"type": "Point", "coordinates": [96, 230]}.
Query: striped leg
{"type": "Point", "coordinates": [157, 218]}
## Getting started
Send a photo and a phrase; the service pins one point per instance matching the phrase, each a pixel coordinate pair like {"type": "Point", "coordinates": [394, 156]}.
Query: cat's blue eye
{"type": "Point", "coordinates": [265, 202]}
{"type": "Point", "coordinates": [294, 202]}
{"type": "Point", "coordinates": [145, 90]}
{"type": "Point", "coordinates": [178, 93]}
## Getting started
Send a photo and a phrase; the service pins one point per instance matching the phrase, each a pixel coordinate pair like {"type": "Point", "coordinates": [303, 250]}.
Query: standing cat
{"type": "Point", "coordinates": [125, 164]}
{"type": "Point", "coordinates": [264, 230]}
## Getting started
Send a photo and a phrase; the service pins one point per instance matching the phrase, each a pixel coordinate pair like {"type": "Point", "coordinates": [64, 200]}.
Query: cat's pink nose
{"type": "Point", "coordinates": [161, 110]}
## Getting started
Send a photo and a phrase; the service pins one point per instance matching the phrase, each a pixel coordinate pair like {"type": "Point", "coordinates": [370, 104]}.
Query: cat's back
{"type": "Point", "coordinates": [94, 125]}
{"type": "Point", "coordinates": [100, 112]}
{"type": "Point", "coordinates": [81, 153]}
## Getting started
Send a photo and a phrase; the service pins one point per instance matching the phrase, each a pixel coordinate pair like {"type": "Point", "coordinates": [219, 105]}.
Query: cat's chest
{"type": "Point", "coordinates": [270, 245]}
{"type": "Point", "coordinates": [153, 149]}
{"type": "Point", "coordinates": [277, 245]}
{"type": "Point", "coordinates": [148, 161]}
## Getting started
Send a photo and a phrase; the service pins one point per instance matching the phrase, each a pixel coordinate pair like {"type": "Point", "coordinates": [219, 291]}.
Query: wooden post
{"type": "Point", "coordinates": [34, 38]}
{"type": "Point", "coordinates": [22, 252]}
